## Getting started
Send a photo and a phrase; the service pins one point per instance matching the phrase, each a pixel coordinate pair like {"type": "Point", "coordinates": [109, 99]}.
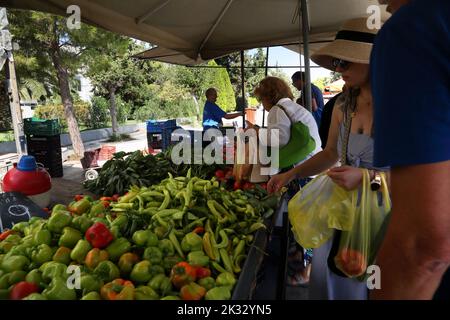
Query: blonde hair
{"type": "Point", "coordinates": [273, 89]}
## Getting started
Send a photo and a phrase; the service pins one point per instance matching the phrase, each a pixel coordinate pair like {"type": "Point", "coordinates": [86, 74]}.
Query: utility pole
{"type": "Point", "coordinates": [7, 57]}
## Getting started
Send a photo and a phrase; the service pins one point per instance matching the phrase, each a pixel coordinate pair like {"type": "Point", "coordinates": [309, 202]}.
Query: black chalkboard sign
{"type": "Point", "coordinates": [16, 207]}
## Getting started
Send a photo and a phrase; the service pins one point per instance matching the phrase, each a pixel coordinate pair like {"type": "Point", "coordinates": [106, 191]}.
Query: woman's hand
{"type": "Point", "coordinates": [279, 181]}
{"type": "Point", "coordinates": [346, 177]}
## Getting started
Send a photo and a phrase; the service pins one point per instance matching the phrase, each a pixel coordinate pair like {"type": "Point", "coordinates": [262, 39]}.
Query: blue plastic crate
{"type": "Point", "coordinates": [155, 126]}
{"type": "Point", "coordinates": [167, 137]}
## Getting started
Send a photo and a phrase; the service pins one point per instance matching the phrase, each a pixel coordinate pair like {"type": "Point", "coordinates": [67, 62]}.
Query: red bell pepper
{"type": "Point", "coordinates": [192, 291]}
{"type": "Point", "coordinates": [23, 289]}
{"type": "Point", "coordinates": [99, 235]}
{"type": "Point", "coordinates": [5, 234]}
{"type": "Point", "coordinates": [183, 273]}
{"type": "Point", "coordinates": [202, 272]}
{"type": "Point", "coordinates": [78, 197]}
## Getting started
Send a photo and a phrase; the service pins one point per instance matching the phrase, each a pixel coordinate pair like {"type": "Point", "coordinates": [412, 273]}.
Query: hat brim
{"type": "Point", "coordinates": [356, 52]}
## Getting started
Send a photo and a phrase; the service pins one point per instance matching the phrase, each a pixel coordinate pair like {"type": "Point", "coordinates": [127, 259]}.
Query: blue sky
{"type": "Point", "coordinates": [285, 57]}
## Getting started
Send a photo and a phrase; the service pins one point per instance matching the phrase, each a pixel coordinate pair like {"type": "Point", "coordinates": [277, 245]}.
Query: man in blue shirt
{"type": "Point", "coordinates": [412, 135]}
{"type": "Point", "coordinates": [317, 103]}
{"type": "Point", "coordinates": [212, 113]}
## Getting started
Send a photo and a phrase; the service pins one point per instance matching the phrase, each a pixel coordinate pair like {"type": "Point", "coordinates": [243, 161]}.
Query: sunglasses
{"type": "Point", "coordinates": [340, 63]}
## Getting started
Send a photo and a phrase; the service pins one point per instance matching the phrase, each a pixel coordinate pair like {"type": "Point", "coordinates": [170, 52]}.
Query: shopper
{"type": "Point", "coordinates": [350, 57]}
{"type": "Point", "coordinates": [317, 103]}
{"type": "Point", "coordinates": [277, 98]}
{"type": "Point", "coordinates": [412, 134]}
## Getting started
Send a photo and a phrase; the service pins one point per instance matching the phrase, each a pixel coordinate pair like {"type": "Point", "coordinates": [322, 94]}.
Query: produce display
{"type": "Point", "coordinates": [183, 238]}
{"type": "Point", "coordinates": [128, 169]}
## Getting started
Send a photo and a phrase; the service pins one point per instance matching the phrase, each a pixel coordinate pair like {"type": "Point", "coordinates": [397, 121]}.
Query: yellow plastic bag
{"type": "Point", "coordinates": [357, 247]}
{"type": "Point", "coordinates": [317, 208]}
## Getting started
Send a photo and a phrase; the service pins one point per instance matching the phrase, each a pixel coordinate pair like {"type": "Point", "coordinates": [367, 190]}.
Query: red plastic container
{"type": "Point", "coordinates": [27, 178]}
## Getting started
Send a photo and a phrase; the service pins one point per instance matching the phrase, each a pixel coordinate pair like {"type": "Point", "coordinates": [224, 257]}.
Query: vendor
{"type": "Point", "coordinates": [212, 113]}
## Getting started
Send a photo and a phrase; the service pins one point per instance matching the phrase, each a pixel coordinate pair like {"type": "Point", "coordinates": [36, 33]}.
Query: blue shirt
{"type": "Point", "coordinates": [410, 71]}
{"type": "Point", "coordinates": [316, 93]}
{"type": "Point", "coordinates": [212, 115]}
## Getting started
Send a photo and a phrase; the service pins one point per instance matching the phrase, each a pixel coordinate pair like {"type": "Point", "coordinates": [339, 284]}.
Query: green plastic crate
{"type": "Point", "coordinates": [38, 127]}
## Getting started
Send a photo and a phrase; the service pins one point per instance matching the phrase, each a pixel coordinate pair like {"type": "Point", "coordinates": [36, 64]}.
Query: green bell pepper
{"type": "Point", "coordinates": [41, 254]}
{"type": "Point", "coordinates": [96, 209]}
{"type": "Point", "coordinates": [34, 276]}
{"type": "Point", "coordinates": [58, 221]}
{"type": "Point", "coordinates": [208, 283]}
{"type": "Point", "coordinates": [69, 237]}
{"type": "Point", "coordinates": [218, 293]}
{"type": "Point", "coordinates": [198, 259]}
{"type": "Point", "coordinates": [80, 251]}
{"type": "Point", "coordinates": [35, 296]}
{"type": "Point", "coordinates": [58, 290]}
{"type": "Point", "coordinates": [145, 293]}
{"type": "Point", "coordinates": [17, 276]}
{"type": "Point", "coordinates": [13, 238]}
{"type": "Point", "coordinates": [6, 246]}
{"type": "Point", "coordinates": [145, 238]}
{"type": "Point", "coordinates": [191, 242]}
{"type": "Point", "coordinates": [89, 283]}
{"type": "Point", "coordinates": [156, 269]}
{"type": "Point", "coordinates": [4, 281]}
{"type": "Point", "coordinates": [107, 271]}
{"type": "Point", "coordinates": [161, 283]}
{"type": "Point", "coordinates": [153, 254]}
{"type": "Point", "coordinates": [91, 296]}
{"type": "Point", "coordinates": [141, 272]}
{"type": "Point", "coordinates": [225, 279]}
{"type": "Point", "coordinates": [42, 236]}
{"type": "Point", "coordinates": [13, 263]}
{"type": "Point", "coordinates": [20, 227]}
{"type": "Point", "coordinates": [170, 261]}
{"type": "Point", "coordinates": [126, 262]}
{"type": "Point", "coordinates": [117, 248]}
{"type": "Point", "coordinates": [82, 223]}
{"type": "Point", "coordinates": [52, 269]}
{"type": "Point", "coordinates": [81, 206]}
{"type": "Point", "coordinates": [94, 257]}
{"type": "Point", "coordinates": [59, 207]}
{"type": "Point", "coordinates": [166, 246]}
{"type": "Point", "coordinates": [62, 255]}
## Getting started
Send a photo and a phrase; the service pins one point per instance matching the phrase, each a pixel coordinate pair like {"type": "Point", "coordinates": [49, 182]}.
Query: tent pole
{"type": "Point", "coordinates": [13, 91]}
{"type": "Point", "coordinates": [243, 88]}
{"type": "Point", "coordinates": [303, 13]}
{"type": "Point", "coordinates": [266, 74]}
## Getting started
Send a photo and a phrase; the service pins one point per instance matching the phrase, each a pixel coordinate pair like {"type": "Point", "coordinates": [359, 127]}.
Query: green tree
{"type": "Point", "coordinates": [48, 39]}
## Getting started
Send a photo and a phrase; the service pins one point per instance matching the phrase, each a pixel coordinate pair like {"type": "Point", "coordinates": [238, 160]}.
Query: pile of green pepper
{"type": "Point", "coordinates": [185, 238]}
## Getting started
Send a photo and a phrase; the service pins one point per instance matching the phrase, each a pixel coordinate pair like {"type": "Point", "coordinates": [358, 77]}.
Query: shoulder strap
{"type": "Point", "coordinates": [347, 128]}
{"type": "Point", "coordinates": [284, 110]}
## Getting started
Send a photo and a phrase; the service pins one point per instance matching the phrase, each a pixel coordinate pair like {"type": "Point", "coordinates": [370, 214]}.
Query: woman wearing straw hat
{"type": "Point", "coordinates": [349, 140]}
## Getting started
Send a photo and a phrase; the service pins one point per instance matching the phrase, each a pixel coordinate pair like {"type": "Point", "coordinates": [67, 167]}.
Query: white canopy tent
{"type": "Point", "coordinates": [206, 29]}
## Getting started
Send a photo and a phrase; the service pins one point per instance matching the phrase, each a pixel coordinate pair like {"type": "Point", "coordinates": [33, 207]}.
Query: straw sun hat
{"type": "Point", "coordinates": [353, 43]}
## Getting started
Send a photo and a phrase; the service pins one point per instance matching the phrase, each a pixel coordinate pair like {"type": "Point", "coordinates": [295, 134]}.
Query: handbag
{"type": "Point", "coordinates": [300, 144]}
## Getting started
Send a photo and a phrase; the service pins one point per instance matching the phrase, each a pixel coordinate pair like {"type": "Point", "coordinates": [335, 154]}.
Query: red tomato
{"type": "Point", "coordinates": [203, 272]}
{"type": "Point", "coordinates": [23, 289]}
{"type": "Point", "coordinates": [115, 197]}
{"type": "Point", "coordinates": [264, 185]}
{"type": "Point", "coordinates": [352, 262]}
{"type": "Point", "coordinates": [78, 197]}
{"type": "Point", "coordinates": [237, 185]}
